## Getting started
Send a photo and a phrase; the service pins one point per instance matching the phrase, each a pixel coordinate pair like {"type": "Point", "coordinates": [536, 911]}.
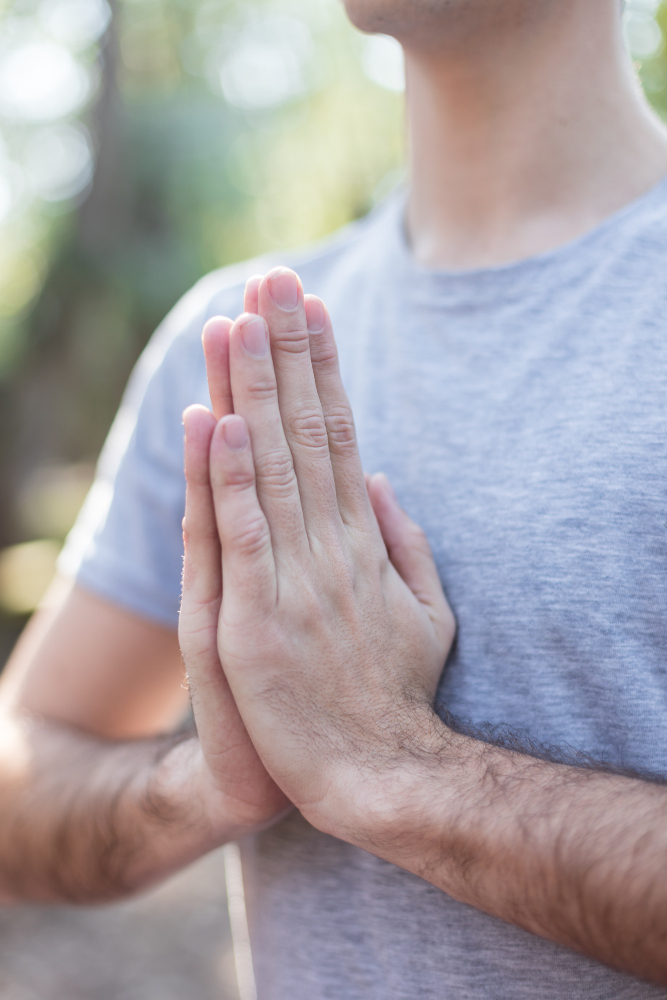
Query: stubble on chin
{"type": "Point", "coordinates": [443, 24]}
{"type": "Point", "coordinates": [394, 17]}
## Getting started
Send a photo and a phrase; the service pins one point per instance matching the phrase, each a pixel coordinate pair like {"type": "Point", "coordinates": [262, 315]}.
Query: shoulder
{"type": "Point", "coordinates": [170, 373]}
{"type": "Point", "coordinates": [221, 292]}
{"type": "Point", "coordinates": [626, 258]}
{"type": "Point", "coordinates": [329, 263]}
{"type": "Point", "coordinates": [644, 234]}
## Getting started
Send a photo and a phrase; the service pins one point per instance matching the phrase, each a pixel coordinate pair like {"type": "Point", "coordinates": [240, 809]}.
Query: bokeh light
{"type": "Point", "coordinates": [74, 23]}
{"type": "Point", "coordinates": [642, 31]}
{"type": "Point", "coordinates": [383, 62]}
{"type": "Point", "coordinates": [58, 161]}
{"type": "Point", "coordinates": [25, 573]}
{"type": "Point", "coordinates": [267, 64]}
{"type": "Point", "coordinates": [41, 81]}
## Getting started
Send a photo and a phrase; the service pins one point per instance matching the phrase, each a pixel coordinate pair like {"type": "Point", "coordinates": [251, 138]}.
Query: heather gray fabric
{"type": "Point", "coordinates": [521, 414]}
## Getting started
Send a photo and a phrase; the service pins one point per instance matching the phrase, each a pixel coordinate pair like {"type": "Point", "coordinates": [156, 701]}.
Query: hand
{"type": "Point", "coordinates": [332, 641]}
{"type": "Point", "coordinates": [236, 785]}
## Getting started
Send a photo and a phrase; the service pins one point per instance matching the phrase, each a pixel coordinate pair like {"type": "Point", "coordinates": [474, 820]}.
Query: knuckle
{"type": "Point", "coordinates": [239, 478]}
{"type": "Point", "coordinates": [292, 341]}
{"type": "Point", "coordinates": [251, 537]}
{"type": "Point", "coordinates": [198, 613]}
{"type": "Point", "coordinates": [340, 428]}
{"type": "Point", "coordinates": [263, 388]}
{"type": "Point", "coordinates": [275, 471]}
{"type": "Point", "coordinates": [201, 533]}
{"type": "Point", "coordinates": [309, 430]}
{"type": "Point", "coordinates": [324, 355]}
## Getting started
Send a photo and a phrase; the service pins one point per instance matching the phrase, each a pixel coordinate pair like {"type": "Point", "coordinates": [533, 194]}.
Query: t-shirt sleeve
{"type": "Point", "coordinates": [126, 544]}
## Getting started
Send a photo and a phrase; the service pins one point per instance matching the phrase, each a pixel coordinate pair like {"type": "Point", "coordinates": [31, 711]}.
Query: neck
{"type": "Point", "coordinates": [527, 138]}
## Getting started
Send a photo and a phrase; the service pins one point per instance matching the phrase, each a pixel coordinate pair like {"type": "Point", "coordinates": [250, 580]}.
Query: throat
{"type": "Point", "coordinates": [520, 146]}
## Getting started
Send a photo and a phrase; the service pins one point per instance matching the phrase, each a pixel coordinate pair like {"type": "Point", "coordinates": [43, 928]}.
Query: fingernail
{"type": "Point", "coordinates": [255, 337]}
{"type": "Point", "coordinates": [235, 433]}
{"type": "Point", "coordinates": [284, 289]}
{"type": "Point", "coordinates": [315, 314]}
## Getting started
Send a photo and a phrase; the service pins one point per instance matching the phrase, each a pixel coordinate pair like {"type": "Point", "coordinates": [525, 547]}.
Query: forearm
{"type": "Point", "coordinates": [86, 820]}
{"type": "Point", "coordinates": [576, 856]}
{"type": "Point", "coordinates": [573, 855]}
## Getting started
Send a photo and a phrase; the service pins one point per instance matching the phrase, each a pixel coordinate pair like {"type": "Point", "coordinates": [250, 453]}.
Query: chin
{"type": "Point", "coordinates": [441, 22]}
{"type": "Point", "coordinates": [393, 17]}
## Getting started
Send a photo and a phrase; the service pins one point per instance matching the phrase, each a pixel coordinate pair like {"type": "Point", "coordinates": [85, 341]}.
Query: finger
{"type": "Point", "coordinates": [215, 339]}
{"type": "Point", "coordinates": [202, 572]}
{"type": "Point", "coordinates": [281, 303]}
{"type": "Point", "coordinates": [256, 399]}
{"type": "Point", "coordinates": [347, 469]}
{"type": "Point", "coordinates": [219, 725]}
{"type": "Point", "coordinates": [202, 582]}
{"type": "Point", "coordinates": [407, 545]}
{"type": "Point", "coordinates": [251, 294]}
{"type": "Point", "coordinates": [247, 556]}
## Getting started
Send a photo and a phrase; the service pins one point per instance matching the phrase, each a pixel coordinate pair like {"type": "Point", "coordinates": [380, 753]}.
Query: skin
{"type": "Point", "coordinates": [527, 125]}
{"type": "Point", "coordinates": [312, 674]}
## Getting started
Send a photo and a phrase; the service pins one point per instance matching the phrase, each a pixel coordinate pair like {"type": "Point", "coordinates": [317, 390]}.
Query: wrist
{"type": "Point", "coordinates": [404, 794]}
{"type": "Point", "coordinates": [179, 814]}
{"type": "Point", "coordinates": [187, 791]}
{"type": "Point", "coordinates": [437, 807]}
{"type": "Point", "coordinates": [170, 810]}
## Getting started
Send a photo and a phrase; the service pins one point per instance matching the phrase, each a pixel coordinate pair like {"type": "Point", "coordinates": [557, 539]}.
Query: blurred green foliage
{"type": "Point", "coordinates": [219, 129]}
{"type": "Point", "coordinates": [142, 145]}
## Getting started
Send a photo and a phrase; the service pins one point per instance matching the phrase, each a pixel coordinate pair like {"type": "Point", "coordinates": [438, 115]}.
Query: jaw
{"type": "Point", "coordinates": [442, 25]}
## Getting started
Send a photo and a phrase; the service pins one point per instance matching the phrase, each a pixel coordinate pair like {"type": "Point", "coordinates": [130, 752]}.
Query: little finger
{"type": "Point", "coordinates": [251, 294]}
{"type": "Point", "coordinates": [215, 340]}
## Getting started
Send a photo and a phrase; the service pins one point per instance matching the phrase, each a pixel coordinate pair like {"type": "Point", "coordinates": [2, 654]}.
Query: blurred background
{"type": "Point", "coordinates": [142, 144]}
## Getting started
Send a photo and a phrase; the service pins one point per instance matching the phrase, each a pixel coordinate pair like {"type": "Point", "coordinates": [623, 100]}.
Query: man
{"type": "Point", "coordinates": [500, 331]}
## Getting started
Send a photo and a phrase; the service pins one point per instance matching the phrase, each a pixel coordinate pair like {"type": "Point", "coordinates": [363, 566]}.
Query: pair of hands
{"type": "Point", "coordinates": [313, 670]}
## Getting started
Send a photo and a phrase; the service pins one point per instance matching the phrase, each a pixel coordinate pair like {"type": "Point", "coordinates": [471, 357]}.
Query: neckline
{"type": "Point", "coordinates": [505, 278]}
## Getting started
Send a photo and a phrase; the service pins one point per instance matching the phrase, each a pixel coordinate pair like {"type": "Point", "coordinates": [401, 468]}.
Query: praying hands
{"type": "Point", "coordinates": [314, 630]}
{"type": "Point", "coordinates": [331, 628]}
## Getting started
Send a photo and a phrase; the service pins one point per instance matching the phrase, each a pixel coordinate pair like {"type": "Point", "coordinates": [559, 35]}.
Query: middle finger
{"type": "Point", "coordinates": [281, 303]}
{"type": "Point", "coordinates": [255, 394]}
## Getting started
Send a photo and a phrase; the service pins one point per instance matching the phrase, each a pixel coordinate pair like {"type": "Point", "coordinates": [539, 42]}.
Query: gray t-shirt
{"type": "Point", "coordinates": [521, 413]}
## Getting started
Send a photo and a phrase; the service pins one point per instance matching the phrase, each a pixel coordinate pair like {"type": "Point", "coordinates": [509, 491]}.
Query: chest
{"type": "Point", "coordinates": [553, 439]}
{"type": "Point", "coordinates": [537, 466]}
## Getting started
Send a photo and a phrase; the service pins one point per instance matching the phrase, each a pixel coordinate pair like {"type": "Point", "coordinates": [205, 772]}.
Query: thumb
{"type": "Point", "coordinates": [407, 545]}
